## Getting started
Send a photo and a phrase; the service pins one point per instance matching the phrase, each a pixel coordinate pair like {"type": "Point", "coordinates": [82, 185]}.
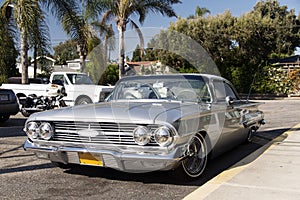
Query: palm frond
{"type": "Point", "coordinates": [140, 34]}
{"type": "Point", "coordinates": [163, 7]}
{"type": "Point", "coordinates": [39, 36]}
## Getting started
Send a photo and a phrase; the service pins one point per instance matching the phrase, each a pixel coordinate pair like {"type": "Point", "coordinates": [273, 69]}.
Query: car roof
{"type": "Point", "coordinates": [205, 76]}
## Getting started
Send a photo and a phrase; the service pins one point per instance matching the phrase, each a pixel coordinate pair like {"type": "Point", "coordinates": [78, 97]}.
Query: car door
{"type": "Point", "coordinates": [229, 116]}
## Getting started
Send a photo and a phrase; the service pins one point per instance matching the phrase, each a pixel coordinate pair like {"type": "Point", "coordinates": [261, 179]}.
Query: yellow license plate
{"type": "Point", "coordinates": [90, 159]}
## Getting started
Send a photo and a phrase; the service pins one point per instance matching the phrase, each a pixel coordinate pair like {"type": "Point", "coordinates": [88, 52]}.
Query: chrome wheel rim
{"type": "Point", "coordinates": [195, 164]}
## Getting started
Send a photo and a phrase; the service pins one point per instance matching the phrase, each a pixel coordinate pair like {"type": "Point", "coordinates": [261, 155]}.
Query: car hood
{"type": "Point", "coordinates": [126, 112]}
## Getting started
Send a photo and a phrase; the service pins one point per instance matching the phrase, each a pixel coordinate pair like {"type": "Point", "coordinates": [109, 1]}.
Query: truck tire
{"type": "Point", "coordinates": [83, 100]}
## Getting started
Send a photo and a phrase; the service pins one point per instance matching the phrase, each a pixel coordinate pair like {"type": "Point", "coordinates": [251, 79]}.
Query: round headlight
{"type": "Point", "coordinates": [141, 135]}
{"type": "Point", "coordinates": [46, 131]}
{"type": "Point", "coordinates": [163, 136]}
{"type": "Point", "coordinates": [32, 130]}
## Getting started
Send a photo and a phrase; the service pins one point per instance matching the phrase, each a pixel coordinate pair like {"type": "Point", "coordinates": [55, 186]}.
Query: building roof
{"type": "Point", "coordinates": [43, 57]}
{"type": "Point", "coordinates": [292, 60]}
{"type": "Point", "coordinates": [145, 63]}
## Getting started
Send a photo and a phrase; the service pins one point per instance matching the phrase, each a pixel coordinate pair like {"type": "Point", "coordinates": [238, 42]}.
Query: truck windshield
{"type": "Point", "coordinates": [80, 79]}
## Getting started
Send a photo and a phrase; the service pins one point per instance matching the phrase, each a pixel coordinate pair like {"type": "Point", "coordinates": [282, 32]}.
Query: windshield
{"type": "Point", "coordinates": [80, 79]}
{"type": "Point", "coordinates": [167, 88]}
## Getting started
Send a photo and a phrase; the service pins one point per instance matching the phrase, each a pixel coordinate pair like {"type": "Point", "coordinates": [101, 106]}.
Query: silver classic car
{"type": "Point", "coordinates": [159, 122]}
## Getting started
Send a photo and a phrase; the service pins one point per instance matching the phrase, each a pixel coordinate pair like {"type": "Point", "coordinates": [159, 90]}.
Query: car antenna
{"type": "Point", "coordinates": [250, 90]}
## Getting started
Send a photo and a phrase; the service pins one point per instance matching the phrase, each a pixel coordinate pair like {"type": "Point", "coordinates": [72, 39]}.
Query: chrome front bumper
{"type": "Point", "coordinates": [128, 162]}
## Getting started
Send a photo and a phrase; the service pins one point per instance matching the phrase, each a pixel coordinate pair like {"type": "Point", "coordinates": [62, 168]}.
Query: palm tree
{"type": "Point", "coordinates": [71, 16]}
{"type": "Point", "coordinates": [200, 12]}
{"type": "Point", "coordinates": [8, 52]}
{"type": "Point", "coordinates": [21, 17]}
{"type": "Point", "coordinates": [74, 22]}
{"type": "Point", "coordinates": [39, 41]}
{"type": "Point", "coordinates": [106, 31]}
{"type": "Point", "coordinates": [122, 10]}
{"type": "Point", "coordinates": [28, 16]}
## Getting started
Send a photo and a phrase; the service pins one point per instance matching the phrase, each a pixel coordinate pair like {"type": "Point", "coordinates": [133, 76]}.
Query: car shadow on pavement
{"type": "Point", "coordinates": [16, 124]}
{"type": "Point", "coordinates": [13, 122]}
{"type": "Point", "coordinates": [26, 168]}
{"type": "Point", "coordinates": [214, 167]}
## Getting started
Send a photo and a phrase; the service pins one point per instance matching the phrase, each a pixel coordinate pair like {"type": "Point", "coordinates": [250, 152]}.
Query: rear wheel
{"type": "Point", "coordinates": [193, 166]}
{"type": "Point", "coordinates": [249, 136]}
{"type": "Point", "coordinates": [4, 118]}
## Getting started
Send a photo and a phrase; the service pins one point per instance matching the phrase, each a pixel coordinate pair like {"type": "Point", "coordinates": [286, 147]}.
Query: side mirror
{"type": "Point", "coordinates": [229, 100]}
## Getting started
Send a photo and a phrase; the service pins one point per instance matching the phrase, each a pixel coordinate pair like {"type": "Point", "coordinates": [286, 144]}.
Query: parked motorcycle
{"type": "Point", "coordinates": [53, 99]}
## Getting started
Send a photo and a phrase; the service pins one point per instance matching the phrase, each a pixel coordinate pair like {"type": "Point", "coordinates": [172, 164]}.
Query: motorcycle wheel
{"type": "Point", "coordinates": [25, 113]}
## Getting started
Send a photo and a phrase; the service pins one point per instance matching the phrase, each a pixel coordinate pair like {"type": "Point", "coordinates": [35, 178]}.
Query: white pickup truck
{"type": "Point", "coordinates": [79, 88]}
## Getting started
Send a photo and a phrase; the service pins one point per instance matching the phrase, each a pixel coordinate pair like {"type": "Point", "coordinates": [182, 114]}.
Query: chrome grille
{"type": "Point", "coordinates": [103, 132]}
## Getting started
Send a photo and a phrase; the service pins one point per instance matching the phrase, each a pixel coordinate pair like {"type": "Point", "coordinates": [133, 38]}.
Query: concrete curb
{"type": "Point", "coordinates": [205, 190]}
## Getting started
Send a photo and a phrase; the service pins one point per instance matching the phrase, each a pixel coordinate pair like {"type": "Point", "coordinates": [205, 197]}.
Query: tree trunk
{"type": "Point", "coordinates": [24, 57]}
{"type": "Point", "coordinates": [106, 48]}
{"type": "Point", "coordinates": [82, 63]}
{"type": "Point", "coordinates": [82, 57]}
{"type": "Point", "coordinates": [35, 62]}
{"type": "Point", "coordinates": [121, 29]}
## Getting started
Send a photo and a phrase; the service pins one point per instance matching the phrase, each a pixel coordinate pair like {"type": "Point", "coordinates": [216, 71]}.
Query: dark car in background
{"type": "Point", "coordinates": [8, 104]}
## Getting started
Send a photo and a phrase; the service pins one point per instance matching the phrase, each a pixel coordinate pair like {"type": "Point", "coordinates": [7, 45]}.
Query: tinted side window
{"type": "Point", "coordinates": [222, 90]}
{"type": "Point", "coordinates": [219, 90]}
{"type": "Point", "coordinates": [229, 91]}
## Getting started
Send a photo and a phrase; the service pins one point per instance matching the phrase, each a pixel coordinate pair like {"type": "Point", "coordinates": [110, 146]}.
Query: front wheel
{"type": "Point", "coordinates": [25, 113]}
{"type": "Point", "coordinates": [193, 166]}
{"type": "Point", "coordinates": [83, 100]}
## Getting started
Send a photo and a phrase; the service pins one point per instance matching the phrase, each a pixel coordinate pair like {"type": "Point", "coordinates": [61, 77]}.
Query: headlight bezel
{"type": "Point", "coordinates": [142, 139]}
{"type": "Point", "coordinates": [166, 133]}
{"type": "Point", "coordinates": [162, 135]}
{"type": "Point", "coordinates": [32, 127]}
{"type": "Point", "coordinates": [46, 134]}
{"type": "Point", "coordinates": [38, 132]}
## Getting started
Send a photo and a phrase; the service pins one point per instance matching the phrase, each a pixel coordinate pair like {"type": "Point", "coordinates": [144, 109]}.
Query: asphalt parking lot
{"type": "Point", "coordinates": [23, 176]}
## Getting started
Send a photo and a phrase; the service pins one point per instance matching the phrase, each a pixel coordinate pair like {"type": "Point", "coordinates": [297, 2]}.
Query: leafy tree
{"type": "Point", "coordinates": [268, 30]}
{"type": "Point", "coordinates": [137, 56]}
{"type": "Point", "coordinates": [65, 51]}
{"type": "Point", "coordinates": [123, 10]}
{"type": "Point", "coordinates": [240, 46]}
{"type": "Point", "coordinates": [110, 76]}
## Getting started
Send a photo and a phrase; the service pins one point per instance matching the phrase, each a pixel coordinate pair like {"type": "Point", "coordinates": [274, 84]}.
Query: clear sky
{"type": "Point", "coordinates": [186, 8]}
